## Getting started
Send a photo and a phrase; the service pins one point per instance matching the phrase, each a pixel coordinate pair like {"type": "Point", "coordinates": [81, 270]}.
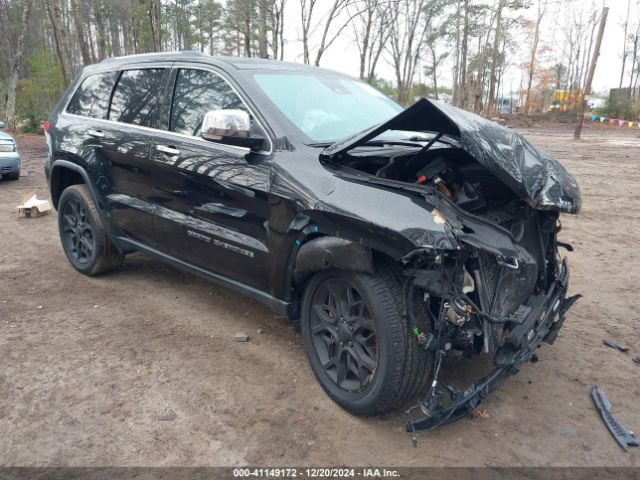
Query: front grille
{"type": "Point", "coordinates": [506, 288]}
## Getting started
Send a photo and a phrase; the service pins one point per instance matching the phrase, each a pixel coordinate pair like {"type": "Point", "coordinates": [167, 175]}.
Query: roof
{"type": "Point", "coordinates": [239, 63]}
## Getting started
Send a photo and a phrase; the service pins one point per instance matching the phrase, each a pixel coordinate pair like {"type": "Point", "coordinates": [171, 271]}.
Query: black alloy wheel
{"type": "Point", "coordinates": [77, 232]}
{"type": "Point", "coordinates": [357, 340]}
{"type": "Point", "coordinates": [84, 239]}
{"type": "Point", "coordinates": [344, 334]}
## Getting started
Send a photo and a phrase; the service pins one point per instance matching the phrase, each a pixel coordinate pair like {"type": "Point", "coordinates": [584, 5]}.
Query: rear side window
{"type": "Point", "coordinates": [92, 97]}
{"type": "Point", "coordinates": [196, 92]}
{"type": "Point", "coordinates": [136, 98]}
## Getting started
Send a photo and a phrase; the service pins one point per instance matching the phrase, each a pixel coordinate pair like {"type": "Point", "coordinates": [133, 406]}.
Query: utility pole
{"type": "Point", "coordinates": [592, 68]}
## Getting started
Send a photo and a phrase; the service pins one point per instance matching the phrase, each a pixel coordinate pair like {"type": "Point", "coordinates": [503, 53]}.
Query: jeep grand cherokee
{"type": "Point", "coordinates": [396, 237]}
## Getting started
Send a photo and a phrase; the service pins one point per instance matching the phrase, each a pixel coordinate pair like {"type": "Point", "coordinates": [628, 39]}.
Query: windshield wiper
{"type": "Point", "coordinates": [381, 143]}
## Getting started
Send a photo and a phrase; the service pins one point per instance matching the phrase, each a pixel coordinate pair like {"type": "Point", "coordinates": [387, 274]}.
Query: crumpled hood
{"type": "Point", "coordinates": [532, 174]}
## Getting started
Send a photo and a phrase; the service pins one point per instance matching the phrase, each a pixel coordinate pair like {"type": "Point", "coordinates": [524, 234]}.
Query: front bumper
{"type": "Point", "coordinates": [9, 163]}
{"type": "Point", "coordinates": [541, 324]}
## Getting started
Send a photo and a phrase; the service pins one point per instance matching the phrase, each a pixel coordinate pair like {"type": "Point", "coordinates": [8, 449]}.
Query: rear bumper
{"type": "Point", "coordinates": [542, 324]}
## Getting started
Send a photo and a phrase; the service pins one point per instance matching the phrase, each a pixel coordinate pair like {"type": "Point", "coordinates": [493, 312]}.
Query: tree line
{"type": "Point", "coordinates": [472, 43]}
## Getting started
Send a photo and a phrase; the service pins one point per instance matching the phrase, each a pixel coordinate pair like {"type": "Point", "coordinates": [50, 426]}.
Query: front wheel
{"type": "Point", "coordinates": [357, 341]}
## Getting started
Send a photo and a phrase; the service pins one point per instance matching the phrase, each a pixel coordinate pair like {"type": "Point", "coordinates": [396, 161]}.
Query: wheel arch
{"type": "Point", "coordinates": [329, 252]}
{"type": "Point", "coordinates": [64, 174]}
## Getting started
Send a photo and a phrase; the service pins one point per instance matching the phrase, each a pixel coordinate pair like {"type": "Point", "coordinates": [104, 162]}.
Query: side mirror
{"type": "Point", "coordinates": [232, 127]}
{"type": "Point", "coordinates": [1, 124]}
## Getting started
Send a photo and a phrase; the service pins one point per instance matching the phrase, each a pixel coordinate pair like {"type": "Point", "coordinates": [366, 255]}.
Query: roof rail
{"type": "Point", "coordinates": [156, 54]}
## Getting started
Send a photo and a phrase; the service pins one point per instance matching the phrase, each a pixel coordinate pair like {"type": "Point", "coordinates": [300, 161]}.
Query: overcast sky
{"type": "Point", "coordinates": [343, 55]}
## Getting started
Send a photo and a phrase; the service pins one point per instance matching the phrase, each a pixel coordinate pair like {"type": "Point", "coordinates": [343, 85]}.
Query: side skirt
{"type": "Point", "coordinates": [280, 307]}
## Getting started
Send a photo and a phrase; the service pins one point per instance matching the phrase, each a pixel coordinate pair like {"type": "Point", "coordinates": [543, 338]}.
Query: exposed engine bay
{"type": "Point", "coordinates": [442, 165]}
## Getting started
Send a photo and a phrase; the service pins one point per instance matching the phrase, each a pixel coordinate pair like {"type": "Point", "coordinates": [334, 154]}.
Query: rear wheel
{"type": "Point", "coordinates": [358, 342]}
{"type": "Point", "coordinates": [84, 239]}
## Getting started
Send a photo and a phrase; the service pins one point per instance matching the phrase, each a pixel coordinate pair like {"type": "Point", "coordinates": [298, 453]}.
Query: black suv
{"type": "Point", "coordinates": [397, 237]}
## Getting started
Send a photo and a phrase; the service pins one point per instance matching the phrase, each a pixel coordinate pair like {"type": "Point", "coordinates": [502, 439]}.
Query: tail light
{"type": "Point", "coordinates": [47, 126]}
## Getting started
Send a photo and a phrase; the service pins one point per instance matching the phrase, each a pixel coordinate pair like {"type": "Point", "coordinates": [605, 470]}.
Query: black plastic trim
{"type": "Point", "coordinates": [280, 307]}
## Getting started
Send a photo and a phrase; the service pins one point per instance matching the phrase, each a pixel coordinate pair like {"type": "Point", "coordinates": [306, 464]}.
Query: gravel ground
{"type": "Point", "coordinates": [140, 367]}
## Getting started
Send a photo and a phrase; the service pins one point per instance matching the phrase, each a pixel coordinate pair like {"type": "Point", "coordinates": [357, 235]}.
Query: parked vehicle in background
{"type": "Point", "coordinates": [397, 237]}
{"type": "Point", "coordinates": [9, 156]}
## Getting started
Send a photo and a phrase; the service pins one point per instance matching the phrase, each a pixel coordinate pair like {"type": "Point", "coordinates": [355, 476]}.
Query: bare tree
{"type": "Point", "coordinates": [10, 110]}
{"type": "Point", "coordinates": [497, 38]}
{"type": "Point", "coordinates": [155, 25]}
{"type": "Point", "coordinates": [60, 38]}
{"type": "Point", "coordinates": [306, 14]}
{"type": "Point", "coordinates": [624, 44]}
{"type": "Point", "coordinates": [338, 13]}
{"type": "Point", "coordinates": [542, 6]}
{"type": "Point", "coordinates": [406, 41]}
{"type": "Point", "coordinates": [337, 9]}
{"type": "Point", "coordinates": [80, 32]}
{"type": "Point", "coordinates": [371, 28]}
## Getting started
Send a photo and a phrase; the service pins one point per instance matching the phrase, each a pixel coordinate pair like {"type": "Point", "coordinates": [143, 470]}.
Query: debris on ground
{"type": "Point", "coordinates": [168, 416]}
{"type": "Point", "coordinates": [481, 413]}
{"type": "Point", "coordinates": [625, 437]}
{"type": "Point", "coordinates": [20, 384]}
{"type": "Point", "coordinates": [612, 344]}
{"type": "Point", "coordinates": [260, 331]}
{"type": "Point", "coordinates": [31, 206]}
{"type": "Point", "coordinates": [637, 359]}
{"type": "Point", "coordinates": [241, 337]}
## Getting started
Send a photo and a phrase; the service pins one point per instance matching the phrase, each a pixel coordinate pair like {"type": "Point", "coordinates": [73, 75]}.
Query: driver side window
{"type": "Point", "coordinates": [195, 93]}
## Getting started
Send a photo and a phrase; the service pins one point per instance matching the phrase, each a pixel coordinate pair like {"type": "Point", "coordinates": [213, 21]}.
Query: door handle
{"type": "Point", "coordinates": [168, 150]}
{"type": "Point", "coordinates": [175, 193]}
{"type": "Point", "coordinates": [96, 133]}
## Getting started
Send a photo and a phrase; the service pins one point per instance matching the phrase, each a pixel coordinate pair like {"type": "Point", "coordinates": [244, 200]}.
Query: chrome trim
{"type": "Point", "coordinates": [167, 150]}
{"type": "Point", "coordinates": [171, 64]}
{"type": "Point", "coordinates": [158, 131]}
{"type": "Point", "coordinates": [95, 133]}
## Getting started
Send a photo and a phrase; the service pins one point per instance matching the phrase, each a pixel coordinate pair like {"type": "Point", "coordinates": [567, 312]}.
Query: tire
{"type": "Point", "coordinates": [84, 239]}
{"type": "Point", "coordinates": [400, 369]}
{"type": "Point", "coordinates": [12, 176]}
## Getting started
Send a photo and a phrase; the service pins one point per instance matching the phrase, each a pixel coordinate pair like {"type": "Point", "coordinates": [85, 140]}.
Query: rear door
{"type": "Point", "coordinates": [126, 142]}
{"type": "Point", "coordinates": [213, 204]}
{"type": "Point", "coordinates": [82, 126]}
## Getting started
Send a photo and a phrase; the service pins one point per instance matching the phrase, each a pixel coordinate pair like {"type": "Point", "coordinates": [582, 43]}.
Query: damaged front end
{"type": "Point", "coordinates": [502, 291]}
{"type": "Point", "coordinates": [479, 301]}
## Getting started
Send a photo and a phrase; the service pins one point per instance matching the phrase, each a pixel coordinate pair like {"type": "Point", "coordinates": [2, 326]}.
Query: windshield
{"type": "Point", "coordinates": [326, 108]}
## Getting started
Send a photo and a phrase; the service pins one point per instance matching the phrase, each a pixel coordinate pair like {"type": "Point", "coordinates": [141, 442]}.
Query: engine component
{"type": "Point", "coordinates": [457, 311]}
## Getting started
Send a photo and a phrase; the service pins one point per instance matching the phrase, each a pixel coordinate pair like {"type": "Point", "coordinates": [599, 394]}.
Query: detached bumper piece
{"type": "Point", "coordinates": [625, 437]}
{"type": "Point", "coordinates": [541, 324]}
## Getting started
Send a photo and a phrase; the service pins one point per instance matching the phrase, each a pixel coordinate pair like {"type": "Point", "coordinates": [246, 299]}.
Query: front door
{"type": "Point", "coordinates": [213, 208]}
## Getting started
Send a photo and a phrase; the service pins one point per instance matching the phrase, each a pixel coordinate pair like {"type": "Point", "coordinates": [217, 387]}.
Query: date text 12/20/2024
{"type": "Point", "coordinates": [315, 473]}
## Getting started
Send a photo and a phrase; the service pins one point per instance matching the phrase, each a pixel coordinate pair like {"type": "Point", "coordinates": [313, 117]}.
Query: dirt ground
{"type": "Point", "coordinates": [140, 367]}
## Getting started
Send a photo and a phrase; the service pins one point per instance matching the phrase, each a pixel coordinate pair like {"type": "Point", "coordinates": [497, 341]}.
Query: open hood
{"type": "Point", "coordinates": [532, 174]}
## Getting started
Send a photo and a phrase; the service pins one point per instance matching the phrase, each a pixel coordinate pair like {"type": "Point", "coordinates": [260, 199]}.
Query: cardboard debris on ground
{"type": "Point", "coordinates": [32, 206]}
{"type": "Point", "coordinates": [480, 413]}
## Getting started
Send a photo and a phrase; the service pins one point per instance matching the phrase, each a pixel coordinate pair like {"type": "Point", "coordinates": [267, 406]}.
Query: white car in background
{"type": "Point", "coordinates": [9, 156]}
